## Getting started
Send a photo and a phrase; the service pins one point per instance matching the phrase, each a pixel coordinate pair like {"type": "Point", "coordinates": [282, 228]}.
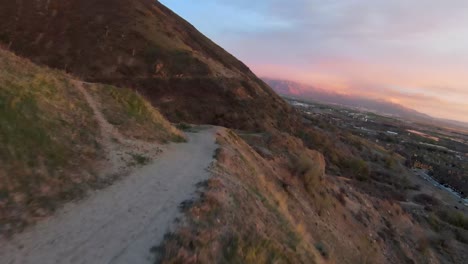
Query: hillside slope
{"type": "Point", "coordinates": [270, 201]}
{"type": "Point", "coordinates": [143, 45]}
{"type": "Point", "coordinates": [56, 143]}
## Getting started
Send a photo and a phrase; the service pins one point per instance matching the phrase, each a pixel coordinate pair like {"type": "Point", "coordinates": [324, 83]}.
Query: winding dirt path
{"type": "Point", "coordinates": [122, 222]}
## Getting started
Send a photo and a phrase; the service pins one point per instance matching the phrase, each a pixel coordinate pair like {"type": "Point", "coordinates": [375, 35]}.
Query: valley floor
{"type": "Point", "coordinates": [121, 223]}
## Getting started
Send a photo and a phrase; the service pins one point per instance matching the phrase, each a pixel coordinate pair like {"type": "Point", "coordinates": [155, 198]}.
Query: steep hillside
{"type": "Point", "coordinates": [270, 201]}
{"type": "Point", "coordinates": [279, 209]}
{"type": "Point", "coordinates": [143, 45]}
{"type": "Point", "coordinates": [56, 143]}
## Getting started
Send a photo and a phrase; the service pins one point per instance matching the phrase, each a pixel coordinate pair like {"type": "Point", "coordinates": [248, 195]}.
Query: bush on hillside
{"type": "Point", "coordinates": [357, 168]}
{"type": "Point", "coordinates": [454, 218]}
{"type": "Point", "coordinates": [311, 168]}
{"type": "Point", "coordinates": [425, 199]}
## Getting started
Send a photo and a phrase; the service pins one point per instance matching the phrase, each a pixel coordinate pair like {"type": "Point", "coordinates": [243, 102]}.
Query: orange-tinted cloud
{"type": "Point", "coordinates": [411, 52]}
{"type": "Point", "coordinates": [432, 91]}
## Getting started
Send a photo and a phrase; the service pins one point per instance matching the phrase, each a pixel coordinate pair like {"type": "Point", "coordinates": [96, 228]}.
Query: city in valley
{"type": "Point", "coordinates": [435, 156]}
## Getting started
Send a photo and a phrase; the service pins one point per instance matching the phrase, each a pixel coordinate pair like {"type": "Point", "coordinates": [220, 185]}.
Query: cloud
{"type": "Point", "coordinates": [417, 48]}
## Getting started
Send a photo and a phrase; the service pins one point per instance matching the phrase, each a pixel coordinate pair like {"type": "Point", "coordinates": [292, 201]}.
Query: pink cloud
{"type": "Point", "coordinates": [412, 52]}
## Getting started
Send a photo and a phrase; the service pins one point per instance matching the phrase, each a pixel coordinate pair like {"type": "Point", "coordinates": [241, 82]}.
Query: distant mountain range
{"type": "Point", "coordinates": [308, 92]}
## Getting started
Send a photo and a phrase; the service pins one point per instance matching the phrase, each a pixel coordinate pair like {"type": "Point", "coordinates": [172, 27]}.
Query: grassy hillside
{"type": "Point", "coordinates": [243, 216]}
{"type": "Point", "coordinates": [270, 201]}
{"type": "Point", "coordinates": [52, 148]}
{"type": "Point", "coordinates": [143, 45]}
{"type": "Point", "coordinates": [133, 116]}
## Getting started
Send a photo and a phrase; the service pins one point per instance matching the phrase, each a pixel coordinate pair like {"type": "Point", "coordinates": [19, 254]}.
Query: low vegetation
{"type": "Point", "coordinates": [250, 223]}
{"type": "Point", "coordinates": [357, 168]}
{"type": "Point", "coordinates": [454, 218]}
{"type": "Point", "coordinates": [356, 211]}
{"type": "Point", "coordinates": [310, 168]}
{"type": "Point", "coordinates": [140, 159]}
{"type": "Point", "coordinates": [49, 142]}
{"type": "Point", "coordinates": [322, 249]}
{"type": "Point", "coordinates": [280, 207]}
{"type": "Point", "coordinates": [133, 116]}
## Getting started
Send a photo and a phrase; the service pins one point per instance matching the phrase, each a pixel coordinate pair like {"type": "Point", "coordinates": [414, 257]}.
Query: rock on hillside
{"type": "Point", "coordinates": [144, 45]}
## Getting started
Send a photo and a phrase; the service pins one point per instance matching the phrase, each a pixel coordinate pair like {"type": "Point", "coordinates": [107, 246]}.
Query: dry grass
{"type": "Point", "coordinates": [49, 137]}
{"type": "Point", "coordinates": [250, 223]}
{"type": "Point", "coordinates": [454, 218]}
{"type": "Point", "coordinates": [133, 116]}
{"type": "Point", "coordinates": [269, 210]}
{"type": "Point", "coordinates": [310, 167]}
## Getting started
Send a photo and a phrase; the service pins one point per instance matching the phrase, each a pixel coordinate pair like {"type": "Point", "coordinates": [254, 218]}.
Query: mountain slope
{"type": "Point", "coordinates": [278, 206]}
{"type": "Point", "coordinates": [289, 88]}
{"type": "Point", "coordinates": [143, 45]}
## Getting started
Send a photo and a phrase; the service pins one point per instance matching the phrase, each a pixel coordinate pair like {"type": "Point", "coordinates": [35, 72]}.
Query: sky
{"type": "Point", "coordinates": [414, 53]}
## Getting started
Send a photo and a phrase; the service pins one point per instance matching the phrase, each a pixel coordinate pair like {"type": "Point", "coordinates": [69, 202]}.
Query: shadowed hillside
{"type": "Point", "coordinates": [143, 45]}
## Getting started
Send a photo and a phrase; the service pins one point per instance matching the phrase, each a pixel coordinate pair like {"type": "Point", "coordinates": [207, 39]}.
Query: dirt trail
{"type": "Point", "coordinates": [118, 149]}
{"type": "Point", "coordinates": [122, 222]}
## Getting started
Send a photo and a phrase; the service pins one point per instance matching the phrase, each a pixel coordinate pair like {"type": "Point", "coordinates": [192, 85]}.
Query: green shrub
{"type": "Point", "coordinates": [310, 171]}
{"type": "Point", "coordinates": [183, 126]}
{"type": "Point", "coordinates": [390, 162]}
{"type": "Point", "coordinates": [322, 249]}
{"type": "Point", "coordinates": [434, 223]}
{"type": "Point", "coordinates": [140, 159]}
{"type": "Point", "coordinates": [454, 218]}
{"type": "Point", "coordinates": [357, 167]}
